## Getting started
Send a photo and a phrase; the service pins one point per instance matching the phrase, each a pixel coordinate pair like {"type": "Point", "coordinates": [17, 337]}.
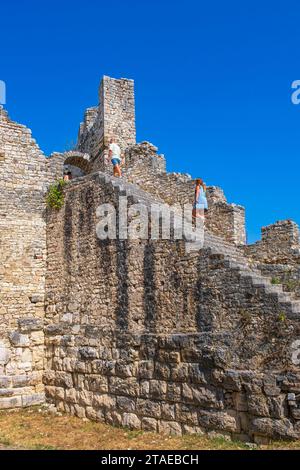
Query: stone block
{"type": "Point", "coordinates": [181, 372]}
{"type": "Point", "coordinates": [113, 418]}
{"type": "Point", "coordinates": [26, 325]}
{"type": "Point", "coordinates": [10, 402]}
{"type": "Point", "coordinates": [63, 379]}
{"type": "Point", "coordinates": [232, 381]}
{"type": "Point", "coordinates": [50, 391]}
{"type": "Point", "coordinates": [19, 340]}
{"type": "Point", "coordinates": [169, 428]}
{"type": "Point", "coordinates": [270, 386]}
{"type": "Point", "coordinates": [86, 353]}
{"type": "Point", "coordinates": [126, 404]}
{"type": "Point", "coordinates": [131, 421]}
{"type": "Point", "coordinates": [85, 397]}
{"type": "Point", "coordinates": [202, 396]}
{"type": "Point", "coordinates": [124, 386]}
{"type": "Point", "coordinates": [146, 369]}
{"type": "Point", "coordinates": [158, 389]}
{"type": "Point", "coordinates": [104, 401]}
{"type": "Point", "coordinates": [168, 411]}
{"type": "Point", "coordinates": [144, 389]}
{"type": "Point", "coordinates": [124, 369]}
{"type": "Point", "coordinates": [148, 408]}
{"type": "Point", "coordinates": [240, 401]}
{"type": "Point", "coordinates": [97, 384]}
{"type": "Point", "coordinates": [186, 429]}
{"type": "Point", "coordinates": [7, 392]}
{"type": "Point", "coordinates": [161, 371]}
{"type": "Point", "coordinates": [5, 381]}
{"type": "Point", "coordinates": [174, 392]}
{"type": "Point", "coordinates": [149, 424]}
{"type": "Point", "coordinates": [217, 421]}
{"type": "Point", "coordinates": [36, 298]}
{"type": "Point", "coordinates": [273, 428]}
{"type": "Point", "coordinates": [33, 399]}
{"type": "Point", "coordinates": [5, 353]}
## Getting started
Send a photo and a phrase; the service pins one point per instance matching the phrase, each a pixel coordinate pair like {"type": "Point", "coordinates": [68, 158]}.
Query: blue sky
{"type": "Point", "coordinates": [213, 85]}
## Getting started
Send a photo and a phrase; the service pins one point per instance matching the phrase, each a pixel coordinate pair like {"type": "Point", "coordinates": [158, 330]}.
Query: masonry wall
{"type": "Point", "coordinates": [23, 182]}
{"type": "Point", "coordinates": [116, 352]}
{"type": "Point", "coordinates": [115, 116]}
{"type": "Point", "coordinates": [278, 254]}
{"type": "Point", "coordinates": [144, 167]}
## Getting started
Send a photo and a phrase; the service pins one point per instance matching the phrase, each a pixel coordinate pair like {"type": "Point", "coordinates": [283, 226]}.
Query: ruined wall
{"type": "Point", "coordinates": [23, 183]}
{"type": "Point", "coordinates": [141, 334]}
{"type": "Point", "coordinates": [278, 254]}
{"type": "Point", "coordinates": [115, 116]}
{"type": "Point", "coordinates": [144, 167]}
{"type": "Point", "coordinates": [279, 244]}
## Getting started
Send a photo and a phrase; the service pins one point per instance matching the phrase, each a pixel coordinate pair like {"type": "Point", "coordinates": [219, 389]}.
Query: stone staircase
{"type": "Point", "coordinates": [232, 256]}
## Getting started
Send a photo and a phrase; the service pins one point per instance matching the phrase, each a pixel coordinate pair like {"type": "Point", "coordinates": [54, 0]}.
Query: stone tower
{"type": "Point", "coordinates": [114, 116]}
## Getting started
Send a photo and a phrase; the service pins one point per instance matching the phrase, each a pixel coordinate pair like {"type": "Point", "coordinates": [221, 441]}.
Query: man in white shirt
{"type": "Point", "coordinates": [115, 156]}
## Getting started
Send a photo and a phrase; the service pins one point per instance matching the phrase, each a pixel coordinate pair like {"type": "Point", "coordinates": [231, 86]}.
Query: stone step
{"type": "Point", "coordinates": [233, 257]}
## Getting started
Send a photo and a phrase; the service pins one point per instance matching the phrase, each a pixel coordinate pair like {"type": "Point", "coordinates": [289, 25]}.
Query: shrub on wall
{"type": "Point", "coordinates": [55, 195]}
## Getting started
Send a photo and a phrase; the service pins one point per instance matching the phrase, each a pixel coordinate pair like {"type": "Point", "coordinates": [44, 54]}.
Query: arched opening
{"type": "Point", "coordinates": [76, 164]}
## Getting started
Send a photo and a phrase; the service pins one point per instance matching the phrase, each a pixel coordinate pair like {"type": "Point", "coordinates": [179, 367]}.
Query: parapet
{"type": "Point", "coordinates": [279, 244]}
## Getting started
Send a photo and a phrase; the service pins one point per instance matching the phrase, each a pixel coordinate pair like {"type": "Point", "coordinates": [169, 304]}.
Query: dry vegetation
{"type": "Point", "coordinates": [35, 428]}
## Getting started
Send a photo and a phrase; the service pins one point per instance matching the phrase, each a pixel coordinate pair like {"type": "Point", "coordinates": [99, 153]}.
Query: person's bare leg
{"type": "Point", "coordinates": [118, 171]}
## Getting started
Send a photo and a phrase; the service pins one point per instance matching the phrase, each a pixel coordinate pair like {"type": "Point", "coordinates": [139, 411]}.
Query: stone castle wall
{"type": "Point", "coordinates": [139, 333]}
{"type": "Point", "coordinates": [23, 184]}
{"type": "Point", "coordinates": [147, 169]}
{"type": "Point", "coordinates": [278, 253]}
{"type": "Point", "coordinates": [143, 335]}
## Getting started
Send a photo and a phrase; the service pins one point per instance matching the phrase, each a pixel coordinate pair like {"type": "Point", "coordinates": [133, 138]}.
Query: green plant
{"type": "Point", "coordinates": [292, 285]}
{"type": "Point", "coordinates": [282, 317]}
{"type": "Point", "coordinates": [275, 280]}
{"type": "Point", "coordinates": [55, 195]}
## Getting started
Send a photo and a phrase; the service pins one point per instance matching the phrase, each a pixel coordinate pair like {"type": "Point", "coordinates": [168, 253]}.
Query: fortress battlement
{"type": "Point", "coordinates": [159, 335]}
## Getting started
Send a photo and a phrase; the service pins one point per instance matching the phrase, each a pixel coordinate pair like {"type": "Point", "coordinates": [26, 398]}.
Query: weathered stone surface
{"type": "Point", "coordinates": [168, 411]}
{"type": "Point", "coordinates": [87, 352]}
{"type": "Point", "coordinates": [232, 381]}
{"type": "Point", "coordinates": [169, 428]}
{"type": "Point", "coordinates": [104, 401]}
{"type": "Point", "coordinates": [200, 396]}
{"type": "Point", "coordinates": [19, 340]}
{"type": "Point", "coordinates": [34, 399]}
{"type": "Point", "coordinates": [126, 404]}
{"type": "Point", "coordinates": [149, 424]}
{"type": "Point", "coordinates": [26, 325]}
{"type": "Point", "coordinates": [217, 420]}
{"type": "Point", "coordinates": [275, 428]}
{"type": "Point", "coordinates": [131, 421]}
{"type": "Point", "coordinates": [258, 405]}
{"type": "Point", "coordinates": [4, 381]}
{"type": "Point", "coordinates": [13, 402]}
{"type": "Point", "coordinates": [148, 408]}
{"type": "Point", "coordinates": [5, 354]}
{"type": "Point", "coordinates": [152, 334]}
